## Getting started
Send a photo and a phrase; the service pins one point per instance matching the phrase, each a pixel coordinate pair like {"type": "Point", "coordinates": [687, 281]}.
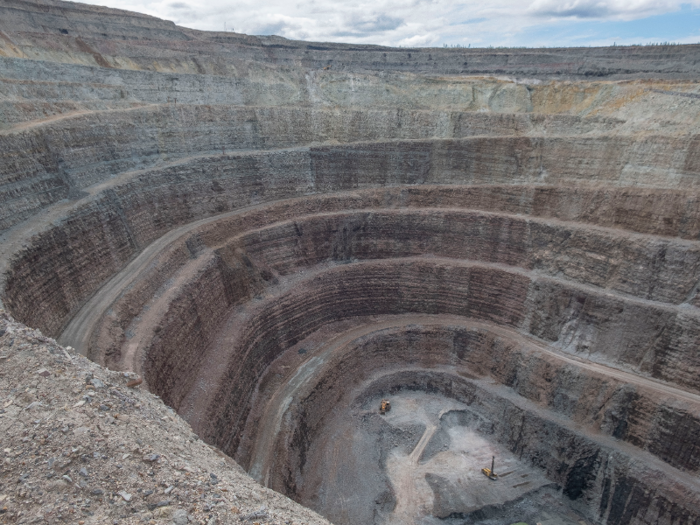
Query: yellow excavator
{"type": "Point", "coordinates": [384, 407]}
{"type": "Point", "coordinates": [489, 472]}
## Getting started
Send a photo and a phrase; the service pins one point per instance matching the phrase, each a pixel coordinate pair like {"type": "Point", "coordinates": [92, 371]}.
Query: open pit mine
{"type": "Point", "coordinates": [277, 236]}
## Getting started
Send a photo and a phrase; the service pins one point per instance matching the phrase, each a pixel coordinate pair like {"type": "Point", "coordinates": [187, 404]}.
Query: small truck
{"type": "Point", "coordinates": [384, 407]}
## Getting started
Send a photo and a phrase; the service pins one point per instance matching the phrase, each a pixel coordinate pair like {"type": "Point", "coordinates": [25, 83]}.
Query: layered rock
{"type": "Point", "coordinates": [277, 234]}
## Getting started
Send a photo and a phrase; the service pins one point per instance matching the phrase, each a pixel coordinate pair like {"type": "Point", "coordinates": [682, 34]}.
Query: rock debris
{"type": "Point", "coordinates": [79, 446]}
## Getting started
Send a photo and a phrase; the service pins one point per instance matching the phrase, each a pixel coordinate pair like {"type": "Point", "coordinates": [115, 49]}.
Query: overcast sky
{"type": "Point", "coordinates": [437, 23]}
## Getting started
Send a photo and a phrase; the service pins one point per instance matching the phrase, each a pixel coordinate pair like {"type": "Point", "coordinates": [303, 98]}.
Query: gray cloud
{"type": "Point", "coordinates": [601, 9]}
{"type": "Point", "coordinates": [274, 28]}
{"type": "Point", "coordinates": [381, 22]}
{"type": "Point", "coordinates": [589, 11]}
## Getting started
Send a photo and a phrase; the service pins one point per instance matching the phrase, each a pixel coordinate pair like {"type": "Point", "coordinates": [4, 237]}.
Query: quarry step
{"type": "Point", "coordinates": [273, 236]}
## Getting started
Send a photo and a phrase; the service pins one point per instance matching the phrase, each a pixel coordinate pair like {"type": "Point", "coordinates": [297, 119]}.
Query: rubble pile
{"type": "Point", "coordinates": [79, 446]}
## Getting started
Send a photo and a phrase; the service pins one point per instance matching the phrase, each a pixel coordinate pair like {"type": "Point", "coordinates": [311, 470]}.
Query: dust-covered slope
{"type": "Point", "coordinates": [80, 446]}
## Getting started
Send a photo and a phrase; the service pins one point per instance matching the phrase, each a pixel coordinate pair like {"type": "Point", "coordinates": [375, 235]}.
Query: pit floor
{"type": "Point", "coordinates": [421, 464]}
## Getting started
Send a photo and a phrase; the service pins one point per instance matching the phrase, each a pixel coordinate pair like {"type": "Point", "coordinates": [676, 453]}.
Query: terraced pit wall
{"type": "Point", "coordinates": [515, 230]}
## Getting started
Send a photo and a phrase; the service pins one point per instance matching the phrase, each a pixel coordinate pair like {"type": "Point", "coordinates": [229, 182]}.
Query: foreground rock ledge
{"type": "Point", "coordinates": [79, 446]}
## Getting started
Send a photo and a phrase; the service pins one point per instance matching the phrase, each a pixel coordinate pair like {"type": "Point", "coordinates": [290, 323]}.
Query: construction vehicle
{"type": "Point", "coordinates": [489, 472]}
{"type": "Point", "coordinates": [384, 407]}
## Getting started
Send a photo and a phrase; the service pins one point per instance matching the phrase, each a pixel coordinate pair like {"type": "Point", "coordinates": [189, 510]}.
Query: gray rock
{"type": "Point", "coordinates": [97, 383]}
{"type": "Point", "coordinates": [260, 514]}
{"type": "Point", "coordinates": [180, 517]}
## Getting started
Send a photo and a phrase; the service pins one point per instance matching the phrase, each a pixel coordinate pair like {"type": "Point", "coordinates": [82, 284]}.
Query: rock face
{"type": "Point", "coordinates": [276, 235]}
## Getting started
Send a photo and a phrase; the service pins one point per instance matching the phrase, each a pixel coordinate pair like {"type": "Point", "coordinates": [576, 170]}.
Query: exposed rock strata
{"type": "Point", "coordinates": [115, 39]}
{"type": "Point", "coordinates": [436, 287]}
{"type": "Point", "coordinates": [276, 234]}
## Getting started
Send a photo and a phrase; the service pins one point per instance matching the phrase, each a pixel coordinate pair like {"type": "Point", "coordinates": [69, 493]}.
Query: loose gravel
{"type": "Point", "coordinates": [80, 446]}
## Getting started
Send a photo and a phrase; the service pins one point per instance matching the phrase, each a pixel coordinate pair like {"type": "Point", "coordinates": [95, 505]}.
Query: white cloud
{"type": "Point", "coordinates": [400, 22]}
